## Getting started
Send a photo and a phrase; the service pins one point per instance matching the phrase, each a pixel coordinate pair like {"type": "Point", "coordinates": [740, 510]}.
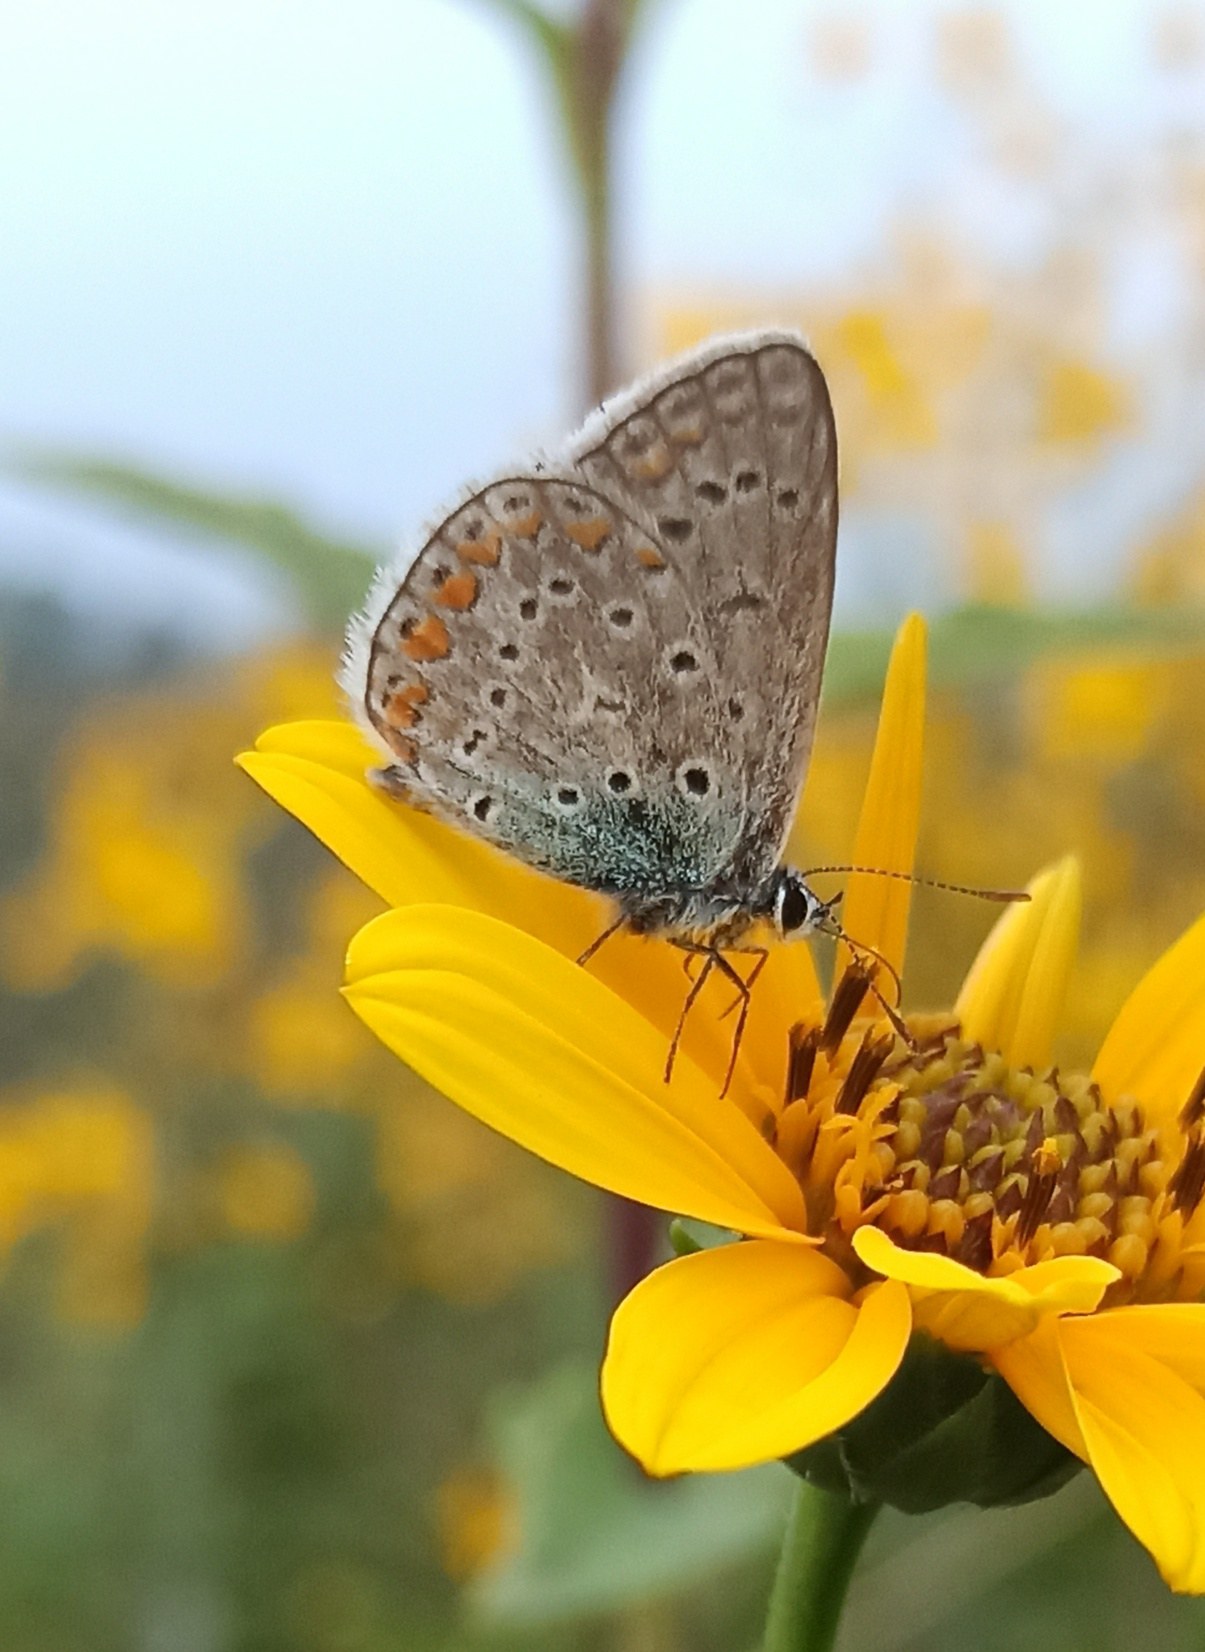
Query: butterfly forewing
{"type": "Point", "coordinates": [731, 457]}
{"type": "Point", "coordinates": [542, 675]}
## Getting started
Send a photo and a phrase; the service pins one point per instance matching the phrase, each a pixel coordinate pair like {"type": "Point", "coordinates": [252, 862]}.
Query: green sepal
{"type": "Point", "coordinates": [944, 1430]}
{"type": "Point", "coordinates": [687, 1236]}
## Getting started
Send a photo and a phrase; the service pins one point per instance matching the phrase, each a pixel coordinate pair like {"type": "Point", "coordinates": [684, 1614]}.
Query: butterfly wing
{"type": "Point", "coordinates": [543, 675]}
{"type": "Point", "coordinates": [729, 458]}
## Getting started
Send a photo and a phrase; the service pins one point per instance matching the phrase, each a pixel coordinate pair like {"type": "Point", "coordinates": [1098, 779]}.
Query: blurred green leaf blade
{"type": "Point", "coordinates": [596, 1537]}
{"type": "Point", "coordinates": [331, 575]}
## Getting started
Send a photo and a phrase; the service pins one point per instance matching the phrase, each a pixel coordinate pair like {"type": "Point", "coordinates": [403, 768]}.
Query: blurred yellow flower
{"type": "Point", "coordinates": [302, 1044]}
{"type": "Point", "coordinates": [1082, 403]}
{"type": "Point", "coordinates": [996, 567]}
{"type": "Point", "coordinates": [148, 831]}
{"type": "Point", "coordinates": [475, 1519]}
{"type": "Point", "coordinates": [265, 1191]}
{"type": "Point", "coordinates": [893, 395]}
{"type": "Point", "coordinates": [1050, 1225]}
{"type": "Point", "coordinates": [82, 1160]}
{"type": "Point", "coordinates": [474, 1215]}
{"type": "Point", "coordinates": [1103, 707]}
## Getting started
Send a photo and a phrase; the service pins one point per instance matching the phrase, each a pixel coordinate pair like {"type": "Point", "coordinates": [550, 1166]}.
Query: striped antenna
{"type": "Point", "coordinates": [1002, 895]}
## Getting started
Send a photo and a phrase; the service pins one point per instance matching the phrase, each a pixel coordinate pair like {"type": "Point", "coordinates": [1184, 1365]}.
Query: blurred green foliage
{"type": "Point", "coordinates": [330, 575]}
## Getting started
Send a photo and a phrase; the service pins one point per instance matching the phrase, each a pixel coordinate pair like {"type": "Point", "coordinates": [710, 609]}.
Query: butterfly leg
{"type": "Point", "coordinates": [710, 958]}
{"type": "Point", "coordinates": [599, 939]}
{"type": "Point", "coordinates": [744, 997]}
{"type": "Point", "coordinates": [713, 958]}
{"type": "Point", "coordinates": [762, 953]}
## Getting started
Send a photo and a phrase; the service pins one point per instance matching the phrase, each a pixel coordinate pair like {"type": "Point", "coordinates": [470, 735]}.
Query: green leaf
{"type": "Point", "coordinates": [548, 33]}
{"type": "Point", "coordinates": [978, 643]}
{"type": "Point", "coordinates": [688, 1236]}
{"type": "Point", "coordinates": [596, 1535]}
{"type": "Point", "coordinates": [331, 575]}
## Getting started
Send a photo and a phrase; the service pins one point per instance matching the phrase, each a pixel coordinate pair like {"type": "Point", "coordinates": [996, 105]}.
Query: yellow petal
{"type": "Point", "coordinates": [1171, 1332]}
{"type": "Point", "coordinates": [552, 1058]}
{"type": "Point", "coordinates": [1013, 996]}
{"type": "Point", "coordinates": [966, 1310]}
{"type": "Point", "coordinates": [1123, 1390]}
{"type": "Point", "coordinates": [875, 909]}
{"type": "Point", "coordinates": [744, 1354]}
{"type": "Point", "coordinates": [1155, 1049]}
{"type": "Point", "coordinates": [1033, 1368]}
{"type": "Point", "coordinates": [317, 770]}
{"type": "Point", "coordinates": [1144, 1429]}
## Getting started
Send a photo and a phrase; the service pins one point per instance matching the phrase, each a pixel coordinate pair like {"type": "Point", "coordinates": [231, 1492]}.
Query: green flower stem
{"type": "Point", "coordinates": [823, 1540]}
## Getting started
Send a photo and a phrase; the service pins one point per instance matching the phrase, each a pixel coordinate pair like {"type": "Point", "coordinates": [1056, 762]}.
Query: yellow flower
{"type": "Point", "coordinates": [80, 1159]}
{"type": "Point", "coordinates": [1047, 1225]}
{"type": "Point", "coordinates": [265, 1191]}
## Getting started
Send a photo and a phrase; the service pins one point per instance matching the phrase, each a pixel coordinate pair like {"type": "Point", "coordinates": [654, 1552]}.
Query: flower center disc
{"type": "Point", "coordinates": [949, 1149]}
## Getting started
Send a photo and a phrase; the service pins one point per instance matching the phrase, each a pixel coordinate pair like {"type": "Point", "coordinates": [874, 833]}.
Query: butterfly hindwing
{"type": "Point", "coordinates": [731, 457]}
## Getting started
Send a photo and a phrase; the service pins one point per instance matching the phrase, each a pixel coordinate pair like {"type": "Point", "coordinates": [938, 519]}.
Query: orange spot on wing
{"type": "Point", "coordinates": [485, 552]}
{"type": "Point", "coordinates": [527, 527]}
{"type": "Point", "coordinates": [401, 709]}
{"type": "Point", "coordinates": [649, 558]}
{"type": "Point", "coordinates": [458, 591]}
{"type": "Point", "coordinates": [656, 465]}
{"type": "Point", "coordinates": [689, 435]}
{"type": "Point", "coordinates": [428, 640]}
{"type": "Point", "coordinates": [589, 535]}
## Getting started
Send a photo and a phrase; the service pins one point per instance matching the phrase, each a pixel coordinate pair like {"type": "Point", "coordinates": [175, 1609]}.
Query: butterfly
{"type": "Point", "coordinates": [607, 662]}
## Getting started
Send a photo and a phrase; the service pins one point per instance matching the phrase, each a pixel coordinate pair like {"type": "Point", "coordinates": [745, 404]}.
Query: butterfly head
{"type": "Point", "coordinates": [796, 910]}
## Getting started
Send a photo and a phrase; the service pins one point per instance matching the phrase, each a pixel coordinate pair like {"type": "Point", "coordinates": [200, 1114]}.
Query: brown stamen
{"type": "Point", "coordinates": [1047, 1164]}
{"type": "Point", "coordinates": [847, 1001]}
{"type": "Point", "coordinates": [1193, 1110]}
{"type": "Point", "coordinates": [805, 1041]}
{"type": "Point", "coordinates": [863, 1070]}
{"type": "Point", "coordinates": [1188, 1181]}
{"type": "Point", "coordinates": [974, 1250]}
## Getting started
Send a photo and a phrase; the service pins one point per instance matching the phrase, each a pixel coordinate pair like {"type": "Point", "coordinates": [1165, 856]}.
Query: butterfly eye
{"type": "Point", "coordinates": [795, 904]}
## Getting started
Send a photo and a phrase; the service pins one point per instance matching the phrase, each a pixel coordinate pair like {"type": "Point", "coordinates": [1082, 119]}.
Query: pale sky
{"type": "Point", "coordinates": [323, 249]}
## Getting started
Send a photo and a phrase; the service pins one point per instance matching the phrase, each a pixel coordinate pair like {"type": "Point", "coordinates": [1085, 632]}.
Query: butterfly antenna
{"type": "Point", "coordinates": [863, 950]}
{"type": "Point", "coordinates": [891, 1011]}
{"type": "Point", "coordinates": [1002, 895]}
